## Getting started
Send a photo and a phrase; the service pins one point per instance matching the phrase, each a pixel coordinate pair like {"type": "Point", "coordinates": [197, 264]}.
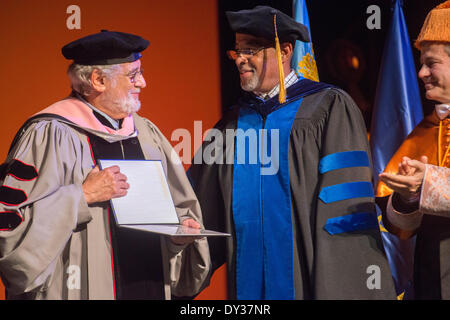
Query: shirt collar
{"type": "Point", "coordinates": [442, 111]}
{"type": "Point", "coordinates": [289, 80]}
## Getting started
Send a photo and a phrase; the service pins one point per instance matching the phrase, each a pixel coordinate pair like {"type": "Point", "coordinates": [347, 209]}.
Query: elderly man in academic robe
{"type": "Point", "coordinates": [58, 238]}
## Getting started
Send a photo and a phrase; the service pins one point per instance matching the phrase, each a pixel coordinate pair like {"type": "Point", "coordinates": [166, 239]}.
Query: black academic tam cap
{"type": "Point", "coordinates": [259, 22]}
{"type": "Point", "coordinates": [105, 48]}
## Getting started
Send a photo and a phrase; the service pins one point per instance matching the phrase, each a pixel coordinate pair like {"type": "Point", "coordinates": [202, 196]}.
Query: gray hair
{"type": "Point", "coordinates": [80, 76]}
{"type": "Point", "coordinates": [447, 48]}
{"type": "Point", "coordinates": [425, 44]}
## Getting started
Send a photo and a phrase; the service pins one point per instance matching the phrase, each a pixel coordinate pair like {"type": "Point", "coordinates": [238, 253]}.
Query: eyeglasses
{"type": "Point", "coordinates": [134, 76]}
{"type": "Point", "coordinates": [246, 53]}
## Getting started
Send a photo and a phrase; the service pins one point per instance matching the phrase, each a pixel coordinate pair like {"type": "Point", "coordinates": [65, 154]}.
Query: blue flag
{"type": "Point", "coordinates": [396, 112]}
{"type": "Point", "coordinates": [303, 61]}
{"type": "Point", "coordinates": [398, 107]}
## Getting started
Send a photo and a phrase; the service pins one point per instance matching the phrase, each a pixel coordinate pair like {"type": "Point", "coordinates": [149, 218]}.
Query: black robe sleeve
{"type": "Point", "coordinates": [212, 185]}
{"type": "Point", "coordinates": [325, 266]}
{"type": "Point", "coordinates": [332, 266]}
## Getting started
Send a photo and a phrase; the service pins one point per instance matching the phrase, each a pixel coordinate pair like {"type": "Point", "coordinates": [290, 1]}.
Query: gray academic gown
{"type": "Point", "coordinates": [60, 237]}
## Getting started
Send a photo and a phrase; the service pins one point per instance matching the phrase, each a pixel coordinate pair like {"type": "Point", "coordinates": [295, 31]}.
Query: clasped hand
{"type": "Point", "coordinates": [409, 178]}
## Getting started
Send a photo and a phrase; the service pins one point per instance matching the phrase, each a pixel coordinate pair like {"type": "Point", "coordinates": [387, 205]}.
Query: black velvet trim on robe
{"type": "Point", "coordinates": [431, 262]}
{"type": "Point", "coordinates": [9, 220]}
{"type": "Point", "coordinates": [138, 271]}
{"type": "Point", "coordinates": [137, 256]}
{"type": "Point", "coordinates": [20, 171]}
{"type": "Point", "coordinates": [12, 197]}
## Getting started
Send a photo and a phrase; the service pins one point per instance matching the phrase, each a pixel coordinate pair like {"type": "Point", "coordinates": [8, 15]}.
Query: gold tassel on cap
{"type": "Point", "coordinates": [282, 94]}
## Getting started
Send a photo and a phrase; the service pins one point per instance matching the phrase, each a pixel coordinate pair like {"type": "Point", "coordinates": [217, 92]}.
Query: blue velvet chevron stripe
{"type": "Point", "coordinates": [344, 159]}
{"type": "Point", "coordinates": [344, 191]}
{"type": "Point", "coordinates": [351, 222]}
{"type": "Point", "coordinates": [262, 207]}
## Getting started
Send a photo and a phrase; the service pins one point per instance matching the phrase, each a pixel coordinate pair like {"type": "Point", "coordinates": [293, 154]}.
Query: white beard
{"type": "Point", "coordinates": [250, 84]}
{"type": "Point", "coordinates": [126, 105]}
{"type": "Point", "coordinates": [129, 104]}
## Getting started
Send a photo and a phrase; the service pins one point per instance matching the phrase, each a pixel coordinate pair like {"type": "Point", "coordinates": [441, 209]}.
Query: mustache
{"type": "Point", "coordinates": [246, 69]}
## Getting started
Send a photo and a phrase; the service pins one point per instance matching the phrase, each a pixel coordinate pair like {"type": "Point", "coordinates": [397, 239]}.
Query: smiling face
{"type": "Point", "coordinates": [258, 73]}
{"type": "Point", "coordinates": [435, 71]}
{"type": "Point", "coordinates": [120, 96]}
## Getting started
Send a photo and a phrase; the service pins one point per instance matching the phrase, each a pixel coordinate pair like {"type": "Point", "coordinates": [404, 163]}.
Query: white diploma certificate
{"type": "Point", "coordinates": [148, 205]}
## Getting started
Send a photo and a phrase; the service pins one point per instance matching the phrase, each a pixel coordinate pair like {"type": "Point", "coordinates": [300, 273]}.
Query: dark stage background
{"type": "Point", "coordinates": [336, 26]}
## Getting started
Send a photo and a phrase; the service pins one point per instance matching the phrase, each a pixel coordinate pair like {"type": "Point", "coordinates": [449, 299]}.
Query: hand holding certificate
{"type": "Point", "coordinates": [103, 185]}
{"type": "Point", "coordinates": [148, 204]}
{"type": "Point", "coordinates": [191, 226]}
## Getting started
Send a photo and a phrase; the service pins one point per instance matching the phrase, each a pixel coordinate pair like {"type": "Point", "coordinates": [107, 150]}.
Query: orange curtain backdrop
{"type": "Point", "coordinates": [181, 64]}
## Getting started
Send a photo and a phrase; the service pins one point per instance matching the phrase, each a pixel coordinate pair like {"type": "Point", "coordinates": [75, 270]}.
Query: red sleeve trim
{"type": "Point", "coordinates": [22, 178]}
{"type": "Point", "coordinates": [11, 228]}
{"type": "Point", "coordinates": [19, 193]}
{"type": "Point", "coordinates": [92, 152]}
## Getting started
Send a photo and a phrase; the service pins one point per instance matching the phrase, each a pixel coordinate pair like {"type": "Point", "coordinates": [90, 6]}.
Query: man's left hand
{"type": "Point", "coordinates": [182, 240]}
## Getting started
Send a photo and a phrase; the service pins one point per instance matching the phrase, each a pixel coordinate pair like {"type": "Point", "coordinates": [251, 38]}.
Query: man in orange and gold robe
{"type": "Point", "coordinates": [420, 203]}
